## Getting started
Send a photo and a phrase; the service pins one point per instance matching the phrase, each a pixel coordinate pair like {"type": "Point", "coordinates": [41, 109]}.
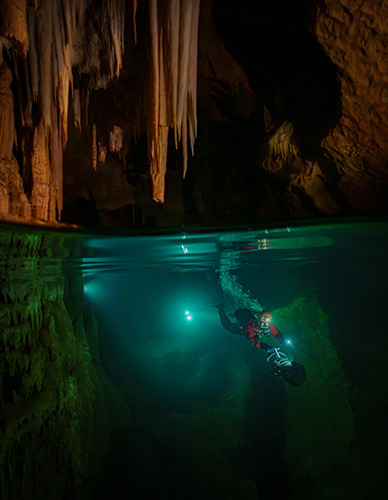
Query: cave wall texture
{"type": "Point", "coordinates": [157, 114]}
{"type": "Point", "coordinates": [58, 408]}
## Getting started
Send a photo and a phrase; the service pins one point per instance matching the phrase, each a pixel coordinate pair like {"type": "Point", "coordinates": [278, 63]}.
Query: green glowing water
{"type": "Point", "coordinates": [207, 418]}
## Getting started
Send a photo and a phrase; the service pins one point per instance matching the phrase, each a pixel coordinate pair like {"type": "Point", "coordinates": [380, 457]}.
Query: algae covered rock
{"type": "Point", "coordinates": [319, 420]}
{"type": "Point", "coordinates": [52, 386]}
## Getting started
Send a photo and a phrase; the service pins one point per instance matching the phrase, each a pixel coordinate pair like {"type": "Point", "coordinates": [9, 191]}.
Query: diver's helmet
{"type": "Point", "coordinates": [265, 320]}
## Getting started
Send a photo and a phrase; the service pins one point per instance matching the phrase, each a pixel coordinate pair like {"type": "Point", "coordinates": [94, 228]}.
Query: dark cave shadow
{"type": "Point", "coordinates": [265, 422]}
{"type": "Point", "coordinates": [286, 66]}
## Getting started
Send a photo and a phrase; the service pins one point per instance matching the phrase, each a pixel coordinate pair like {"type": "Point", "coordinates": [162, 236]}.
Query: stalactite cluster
{"type": "Point", "coordinates": [46, 43]}
{"type": "Point", "coordinates": [174, 42]}
{"type": "Point", "coordinates": [50, 47]}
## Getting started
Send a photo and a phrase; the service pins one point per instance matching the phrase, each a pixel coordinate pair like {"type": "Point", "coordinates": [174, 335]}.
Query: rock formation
{"type": "Point", "coordinates": [355, 37]}
{"type": "Point", "coordinates": [291, 115]}
{"type": "Point", "coordinates": [56, 402]}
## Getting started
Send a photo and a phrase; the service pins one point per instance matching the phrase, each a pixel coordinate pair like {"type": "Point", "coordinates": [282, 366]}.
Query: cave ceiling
{"type": "Point", "coordinates": [155, 114]}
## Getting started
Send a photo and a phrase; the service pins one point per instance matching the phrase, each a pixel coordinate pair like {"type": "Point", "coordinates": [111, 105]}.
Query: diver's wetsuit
{"type": "Point", "coordinates": [251, 330]}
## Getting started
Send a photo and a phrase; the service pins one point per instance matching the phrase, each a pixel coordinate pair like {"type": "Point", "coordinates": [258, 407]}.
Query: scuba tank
{"type": "Point", "coordinates": [292, 372]}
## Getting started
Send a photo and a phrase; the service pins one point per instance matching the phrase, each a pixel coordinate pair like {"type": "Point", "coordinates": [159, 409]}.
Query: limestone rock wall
{"type": "Point", "coordinates": [355, 37]}
{"type": "Point", "coordinates": [56, 402]}
{"type": "Point", "coordinates": [319, 429]}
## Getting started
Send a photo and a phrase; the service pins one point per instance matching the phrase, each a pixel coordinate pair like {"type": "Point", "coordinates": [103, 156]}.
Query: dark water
{"type": "Point", "coordinates": [181, 378]}
{"type": "Point", "coordinates": [207, 418]}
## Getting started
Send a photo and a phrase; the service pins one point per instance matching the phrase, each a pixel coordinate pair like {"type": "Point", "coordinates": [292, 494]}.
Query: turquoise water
{"type": "Point", "coordinates": [204, 417]}
{"type": "Point", "coordinates": [199, 378]}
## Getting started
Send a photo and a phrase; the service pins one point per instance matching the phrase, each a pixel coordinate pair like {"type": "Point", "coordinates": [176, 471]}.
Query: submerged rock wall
{"type": "Point", "coordinates": [319, 420]}
{"type": "Point", "coordinates": [54, 393]}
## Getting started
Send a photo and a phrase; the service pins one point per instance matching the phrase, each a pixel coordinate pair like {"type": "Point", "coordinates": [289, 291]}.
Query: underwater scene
{"type": "Point", "coordinates": [239, 364]}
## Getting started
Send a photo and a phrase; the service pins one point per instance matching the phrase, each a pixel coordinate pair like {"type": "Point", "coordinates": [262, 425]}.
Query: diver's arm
{"type": "Point", "coordinates": [276, 334]}
{"type": "Point", "coordinates": [264, 346]}
{"type": "Point", "coordinates": [227, 324]}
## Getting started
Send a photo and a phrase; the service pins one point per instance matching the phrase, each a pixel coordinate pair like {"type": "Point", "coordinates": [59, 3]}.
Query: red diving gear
{"type": "Point", "coordinates": [256, 331]}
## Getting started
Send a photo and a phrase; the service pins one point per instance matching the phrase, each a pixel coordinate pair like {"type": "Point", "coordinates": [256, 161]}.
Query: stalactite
{"type": "Point", "coordinates": [102, 152]}
{"type": "Point", "coordinates": [134, 8]}
{"type": "Point", "coordinates": [94, 147]}
{"type": "Point", "coordinates": [173, 46]}
{"type": "Point", "coordinates": [54, 72]}
{"type": "Point", "coordinates": [184, 143]}
{"type": "Point", "coordinates": [6, 112]}
{"type": "Point", "coordinates": [18, 83]}
{"type": "Point", "coordinates": [33, 55]}
{"type": "Point", "coordinates": [76, 102]}
{"type": "Point", "coordinates": [62, 52]}
{"type": "Point", "coordinates": [116, 14]}
{"type": "Point", "coordinates": [192, 77]}
{"type": "Point", "coordinates": [27, 114]}
{"type": "Point", "coordinates": [183, 65]}
{"type": "Point", "coordinates": [50, 74]}
{"type": "Point", "coordinates": [174, 39]}
{"type": "Point", "coordinates": [68, 24]}
{"type": "Point", "coordinates": [153, 113]}
{"type": "Point", "coordinates": [40, 170]}
{"type": "Point", "coordinates": [44, 34]}
{"type": "Point", "coordinates": [116, 139]}
{"type": "Point", "coordinates": [56, 163]}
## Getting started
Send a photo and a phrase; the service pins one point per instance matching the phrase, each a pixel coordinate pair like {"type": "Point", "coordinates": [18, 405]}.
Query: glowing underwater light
{"type": "Point", "coordinates": [91, 288]}
{"type": "Point", "coordinates": [188, 316]}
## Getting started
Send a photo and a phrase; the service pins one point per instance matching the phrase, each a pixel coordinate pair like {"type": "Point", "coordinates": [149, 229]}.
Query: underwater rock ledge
{"type": "Point", "coordinates": [57, 405]}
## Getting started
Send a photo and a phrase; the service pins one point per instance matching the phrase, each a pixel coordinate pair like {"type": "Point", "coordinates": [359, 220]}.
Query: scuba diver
{"type": "Point", "coordinates": [257, 328]}
{"type": "Point", "coordinates": [254, 328]}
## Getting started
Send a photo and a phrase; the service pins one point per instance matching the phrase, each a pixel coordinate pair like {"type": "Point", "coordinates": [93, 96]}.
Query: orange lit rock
{"type": "Point", "coordinates": [355, 37]}
{"type": "Point", "coordinates": [7, 129]}
{"type": "Point", "coordinates": [13, 24]}
{"type": "Point", "coordinates": [172, 104]}
{"type": "Point", "coordinates": [311, 180]}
